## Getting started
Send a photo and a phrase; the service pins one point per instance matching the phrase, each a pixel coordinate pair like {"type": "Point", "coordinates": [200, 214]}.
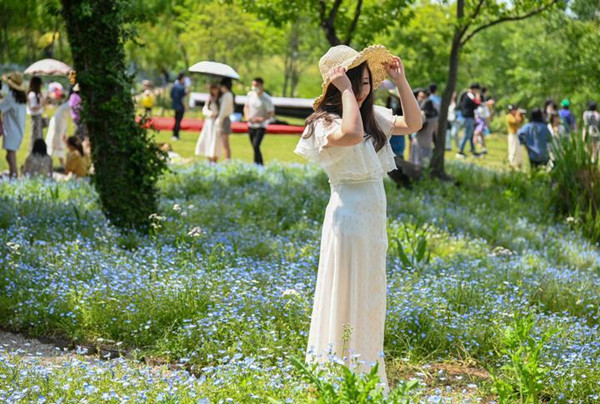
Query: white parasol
{"type": "Point", "coordinates": [48, 67]}
{"type": "Point", "coordinates": [215, 69]}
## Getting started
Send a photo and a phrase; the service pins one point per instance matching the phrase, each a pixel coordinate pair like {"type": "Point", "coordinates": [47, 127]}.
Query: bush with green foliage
{"type": "Point", "coordinates": [576, 179]}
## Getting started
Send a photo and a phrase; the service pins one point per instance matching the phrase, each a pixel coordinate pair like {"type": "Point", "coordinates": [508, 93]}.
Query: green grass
{"type": "Point", "coordinates": [275, 147]}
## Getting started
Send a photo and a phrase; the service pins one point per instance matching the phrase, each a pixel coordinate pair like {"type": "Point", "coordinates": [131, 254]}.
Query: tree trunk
{"type": "Point", "coordinates": [437, 161]}
{"type": "Point", "coordinates": [127, 164]}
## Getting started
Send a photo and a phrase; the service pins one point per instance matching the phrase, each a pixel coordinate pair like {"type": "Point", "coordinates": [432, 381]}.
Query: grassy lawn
{"type": "Point", "coordinates": [276, 148]}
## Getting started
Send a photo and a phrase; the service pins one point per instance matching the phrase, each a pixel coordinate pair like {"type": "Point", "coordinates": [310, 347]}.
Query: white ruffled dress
{"type": "Point", "coordinates": [209, 141]}
{"type": "Point", "coordinates": [351, 282]}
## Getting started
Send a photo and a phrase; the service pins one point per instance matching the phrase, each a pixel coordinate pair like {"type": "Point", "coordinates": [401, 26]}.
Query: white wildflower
{"type": "Point", "coordinates": [195, 232]}
{"type": "Point", "coordinates": [291, 292]}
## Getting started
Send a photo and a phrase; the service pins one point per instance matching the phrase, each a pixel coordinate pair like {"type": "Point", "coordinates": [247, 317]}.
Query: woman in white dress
{"type": "Point", "coordinates": [13, 108]}
{"type": "Point", "coordinates": [57, 133]}
{"type": "Point", "coordinates": [209, 144]}
{"type": "Point", "coordinates": [349, 137]}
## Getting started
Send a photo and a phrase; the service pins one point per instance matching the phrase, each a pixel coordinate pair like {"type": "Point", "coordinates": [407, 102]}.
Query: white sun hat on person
{"type": "Point", "coordinates": [345, 56]}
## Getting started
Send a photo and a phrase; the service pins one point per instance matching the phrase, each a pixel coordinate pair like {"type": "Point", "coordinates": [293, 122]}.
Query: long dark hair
{"type": "Point", "coordinates": [332, 106]}
{"type": "Point", "coordinates": [536, 115]}
{"type": "Point", "coordinates": [39, 147]}
{"type": "Point", "coordinates": [19, 96]}
{"type": "Point", "coordinates": [226, 82]}
{"type": "Point", "coordinates": [35, 85]}
{"type": "Point", "coordinates": [219, 93]}
{"type": "Point", "coordinates": [75, 143]}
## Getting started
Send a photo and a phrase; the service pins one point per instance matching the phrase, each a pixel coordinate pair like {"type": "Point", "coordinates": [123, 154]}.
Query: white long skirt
{"type": "Point", "coordinates": [54, 142]}
{"type": "Point", "coordinates": [351, 283]}
{"type": "Point", "coordinates": [209, 143]}
{"type": "Point", "coordinates": [515, 158]}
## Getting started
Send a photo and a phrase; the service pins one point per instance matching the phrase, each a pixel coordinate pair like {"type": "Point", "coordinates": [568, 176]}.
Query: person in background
{"type": "Point", "coordinates": [470, 102]}
{"type": "Point", "coordinates": [226, 108]}
{"type": "Point", "coordinates": [75, 104]}
{"type": "Point", "coordinates": [186, 81]}
{"type": "Point", "coordinates": [591, 134]}
{"type": "Point", "coordinates": [177, 96]}
{"type": "Point", "coordinates": [14, 109]}
{"type": "Point", "coordinates": [258, 110]}
{"type": "Point", "coordinates": [55, 91]}
{"type": "Point", "coordinates": [422, 145]}
{"type": "Point", "coordinates": [514, 120]}
{"type": "Point", "coordinates": [38, 163]}
{"type": "Point", "coordinates": [549, 109]}
{"type": "Point", "coordinates": [209, 144]}
{"type": "Point", "coordinates": [484, 94]}
{"type": "Point", "coordinates": [455, 120]}
{"type": "Point", "coordinates": [57, 133]}
{"type": "Point", "coordinates": [482, 127]}
{"type": "Point", "coordinates": [167, 148]}
{"type": "Point", "coordinates": [398, 143]}
{"type": "Point", "coordinates": [414, 155]}
{"type": "Point", "coordinates": [34, 109]}
{"type": "Point", "coordinates": [536, 137]}
{"type": "Point", "coordinates": [434, 97]}
{"type": "Point", "coordinates": [567, 117]}
{"type": "Point", "coordinates": [556, 127]}
{"type": "Point", "coordinates": [78, 162]}
{"type": "Point", "coordinates": [148, 98]}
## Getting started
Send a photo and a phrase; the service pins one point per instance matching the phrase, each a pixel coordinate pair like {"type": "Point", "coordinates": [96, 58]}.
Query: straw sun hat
{"type": "Point", "coordinates": [349, 58]}
{"type": "Point", "coordinates": [15, 81]}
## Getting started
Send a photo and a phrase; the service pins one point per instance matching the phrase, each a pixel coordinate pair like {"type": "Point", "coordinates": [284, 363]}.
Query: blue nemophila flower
{"type": "Point", "coordinates": [227, 288]}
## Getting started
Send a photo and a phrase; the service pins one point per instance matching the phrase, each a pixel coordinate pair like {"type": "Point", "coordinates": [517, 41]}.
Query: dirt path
{"type": "Point", "coordinates": [17, 344]}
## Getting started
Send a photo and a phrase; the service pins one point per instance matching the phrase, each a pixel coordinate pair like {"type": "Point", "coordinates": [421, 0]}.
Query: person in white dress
{"type": "Point", "coordinates": [35, 109]}
{"type": "Point", "coordinates": [349, 137]}
{"type": "Point", "coordinates": [14, 111]}
{"type": "Point", "coordinates": [209, 144]}
{"type": "Point", "coordinates": [57, 133]}
{"type": "Point", "coordinates": [222, 121]}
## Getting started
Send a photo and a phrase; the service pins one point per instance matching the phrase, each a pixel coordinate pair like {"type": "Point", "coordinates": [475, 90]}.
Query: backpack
{"type": "Point", "coordinates": [590, 119]}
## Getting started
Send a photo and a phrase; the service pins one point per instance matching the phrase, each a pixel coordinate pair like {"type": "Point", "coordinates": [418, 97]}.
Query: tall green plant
{"type": "Point", "coordinates": [576, 178]}
{"type": "Point", "coordinates": [127, 164]}
{"type": "Point", "coordinates": [523, 378]}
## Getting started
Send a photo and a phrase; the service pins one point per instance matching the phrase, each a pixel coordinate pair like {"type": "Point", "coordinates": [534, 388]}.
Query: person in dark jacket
{"type": "Point", "coordinates": [178, 93]}
{"type": "Point", "coordinates": [468, 104]}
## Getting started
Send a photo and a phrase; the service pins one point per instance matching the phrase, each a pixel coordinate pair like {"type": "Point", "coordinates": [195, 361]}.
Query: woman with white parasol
{"type": "Point", "coordinates": [57, 128]}
{"type": "Point", "coordinates": [225, 104]}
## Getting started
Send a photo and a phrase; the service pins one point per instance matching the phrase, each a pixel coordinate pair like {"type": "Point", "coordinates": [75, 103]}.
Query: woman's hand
{"type": "Point", "coordinates": [395, 69]}
{"type": "Point", "coordinates": [337, 76]}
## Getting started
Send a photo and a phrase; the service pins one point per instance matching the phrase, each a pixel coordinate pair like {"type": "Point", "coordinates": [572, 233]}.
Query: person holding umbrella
{"type": "Point", "coordinates": [226, 100]}
{"type": "Point", "coordinates": [14, 109]}
{"type": "Point", "coordinates": [258, 110]}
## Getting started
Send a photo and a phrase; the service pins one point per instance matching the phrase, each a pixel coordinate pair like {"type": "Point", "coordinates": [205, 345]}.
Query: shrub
{"type": "Point", "coordinates": [576, 179]}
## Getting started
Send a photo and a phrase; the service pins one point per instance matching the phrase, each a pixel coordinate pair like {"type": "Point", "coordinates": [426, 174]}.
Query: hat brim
{"type": "Point", "coordinates": [375, 56]}
{"type": "Point", "coordinates": [13, 85]}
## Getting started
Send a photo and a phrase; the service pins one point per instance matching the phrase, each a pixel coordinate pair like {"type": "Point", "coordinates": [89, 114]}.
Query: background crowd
{"type": "Point", "coordinates": [469, 122]}
{"type": "Point", "coordinates": [20, 100]}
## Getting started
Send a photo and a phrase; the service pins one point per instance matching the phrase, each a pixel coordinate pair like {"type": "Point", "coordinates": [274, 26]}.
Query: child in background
{"type": "Point", "coordinates": [38, 162]}
{"type": "Point", "coordinates": [148, 98]}
{"type": "Point", "coordinates": [77, 161]}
